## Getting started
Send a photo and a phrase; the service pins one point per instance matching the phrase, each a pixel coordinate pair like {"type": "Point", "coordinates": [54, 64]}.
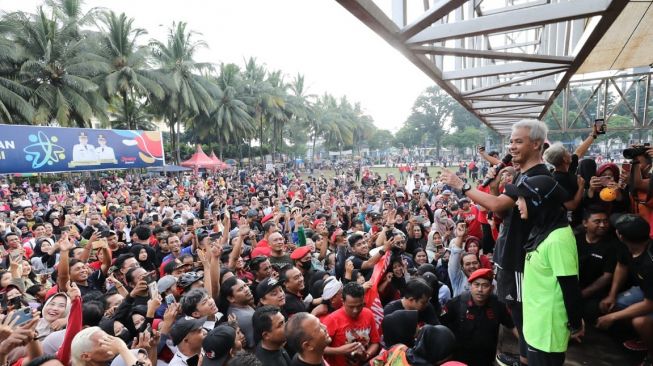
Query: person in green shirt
{"type": "Point", "coordinates": [551, 294]}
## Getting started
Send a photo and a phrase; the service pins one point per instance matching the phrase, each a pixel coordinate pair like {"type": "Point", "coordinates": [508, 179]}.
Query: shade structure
{"type": "Point", "coordinates": [199, 160]}
{"type": "Point", "coordinates": [221, 165]}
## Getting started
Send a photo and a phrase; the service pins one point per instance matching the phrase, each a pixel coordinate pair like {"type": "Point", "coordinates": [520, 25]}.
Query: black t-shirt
{"type": "Point", "coordinates": [297, 362]}
{"type": "Point", "coordinates": [426, 316]}
{"type": "Point", "coordinates": [509, 253]}
{"type": "Point", "coordinates": [272, 358]}
{"type": "Point", "coordinates": [358, 264]}
{"type": "Point", "coordinates": [640, 270]}
{"type": "Point", "coordinates": [294, 304]}
{"type": "Point", "coordinates": [595, 259]}
{"type": "Point", "coordinates": [95, 283]}
{"type": "Point", "coordinates": [569, 180]}
{"type": "Point", "coordinates": [477, 327]}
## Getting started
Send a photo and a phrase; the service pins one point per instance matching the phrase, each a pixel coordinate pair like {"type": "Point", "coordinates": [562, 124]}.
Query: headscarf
{"type": "Point", "coordinates": [43, 326]}
{"type": "Point", "coordinates": [434, 343]}
{"type": "Point", "coordinates": [147, 264]}
{"type": "Point", "coordinates": [399, 327]}
{"type": "Point", "coordinates": [439, 224]}
{"type": "Point", "coordinates": [613, 168]}
{"type": "Point", "coordinates": [544, 198]}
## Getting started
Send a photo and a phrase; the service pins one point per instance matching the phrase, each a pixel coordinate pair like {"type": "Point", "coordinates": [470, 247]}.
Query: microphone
{"type": "Point", "coordinates": [504, 162]}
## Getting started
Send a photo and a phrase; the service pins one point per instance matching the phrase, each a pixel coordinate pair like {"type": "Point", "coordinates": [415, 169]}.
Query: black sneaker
{"type": "Point", "coordinates": [508, 359]}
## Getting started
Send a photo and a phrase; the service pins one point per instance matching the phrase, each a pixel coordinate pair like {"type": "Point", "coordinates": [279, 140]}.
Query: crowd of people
{"type": "Point", "coordinates": [277, 268]}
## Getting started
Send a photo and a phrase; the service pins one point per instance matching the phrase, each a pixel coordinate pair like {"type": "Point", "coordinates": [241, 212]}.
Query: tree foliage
{"type": "Point", "coordinates": [62, 65]}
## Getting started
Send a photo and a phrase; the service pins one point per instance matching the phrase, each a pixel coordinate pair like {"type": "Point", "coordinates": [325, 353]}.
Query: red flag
{"type": "Point", "coordinates": [372, 299]}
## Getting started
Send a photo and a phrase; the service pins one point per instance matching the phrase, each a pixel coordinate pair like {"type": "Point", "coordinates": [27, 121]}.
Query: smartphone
{"type": "Point", "coordinates": [149, 278]}
{"type": "Point", "coordinates": [23, 315]}
{"type": "Point", "coordinates": [153, 289]}
{"type": "Point", "coordinates": [599, 126]}
{"type": "Point", "coordinates": [419, 219]}
{"type": "Point", "coordinates": [284, 209]}
{"type": "Point", "coordinates": [170, 299]}
{"type": "Point", "coordinates": [3, 301]}
{"type": "Point", "coordinates": [626, 167]}
{"type": "Point", "coordinates": [14, 255]}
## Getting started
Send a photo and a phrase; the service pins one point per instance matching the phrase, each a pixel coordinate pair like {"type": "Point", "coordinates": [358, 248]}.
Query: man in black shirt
{"type": "Point", "coordinates": [597, 258]}
{"type": "Point", "coordinates": [293, 284]}
{"type": "Point", "coordinates": [526, 147]}
{"type": "Point", "coordinates": [474, 317]}
{"type": "Point", "coordinates": [308, 338]}
{"type": "Point", "coordinates": [635, 304]}
{"type": "Point", "coordinates": [269, 333]}
{"type": "Point", "coordinates": [417, 295]}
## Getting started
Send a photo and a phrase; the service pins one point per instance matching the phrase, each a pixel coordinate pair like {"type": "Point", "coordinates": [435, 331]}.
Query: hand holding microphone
{"type": "Point", "coordinates": [504, 163]}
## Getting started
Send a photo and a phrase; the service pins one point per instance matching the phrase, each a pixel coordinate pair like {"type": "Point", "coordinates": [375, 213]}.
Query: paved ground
{"type": "Point", "coordinates": [597, 349]}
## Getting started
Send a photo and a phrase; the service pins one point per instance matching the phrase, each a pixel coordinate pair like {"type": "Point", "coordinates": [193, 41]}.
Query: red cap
{"type": "Point", "coordinates": [260, 251]}
{"type": "Point", "coordinates": [335, 234]}
{"type": "Point", "coordinates": [300, 253]}
{"type": "Point", "coordinates": [481, 273]}
{"type": "Point", "coordinates": [267, 217]}
{"type": "Point", "coordinates": [316, 222]}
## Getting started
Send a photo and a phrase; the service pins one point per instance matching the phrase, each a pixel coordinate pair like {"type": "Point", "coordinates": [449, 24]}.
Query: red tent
{"type": "Point", "coordinates": [220, 164]}
{"type": "Point", "coordinates": [199, 160]}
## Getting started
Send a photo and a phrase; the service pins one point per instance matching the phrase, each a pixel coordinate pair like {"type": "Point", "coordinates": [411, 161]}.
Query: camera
{"type": "Point", "coordinates": [635, 151]}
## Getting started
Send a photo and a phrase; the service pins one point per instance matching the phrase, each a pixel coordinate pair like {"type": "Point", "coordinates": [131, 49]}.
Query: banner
{"type": "Point", "coordinates": [40, 149]}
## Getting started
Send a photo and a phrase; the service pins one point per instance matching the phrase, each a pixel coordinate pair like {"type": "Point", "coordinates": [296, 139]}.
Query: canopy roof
{"type": "Point", "coordinates": [503, 60]}
{"type": "Point", "coordinates": [199, 160]}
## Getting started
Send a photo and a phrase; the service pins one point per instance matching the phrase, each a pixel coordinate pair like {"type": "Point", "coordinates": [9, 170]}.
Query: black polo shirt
{"type": "Point", "coordinates": [476, 328]}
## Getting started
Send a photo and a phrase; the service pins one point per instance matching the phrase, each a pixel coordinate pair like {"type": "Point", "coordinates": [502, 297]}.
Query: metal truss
{"type": "Point", "coordinates": [625, 97]}
{"type": "Point", "coordinates": [503, 60]}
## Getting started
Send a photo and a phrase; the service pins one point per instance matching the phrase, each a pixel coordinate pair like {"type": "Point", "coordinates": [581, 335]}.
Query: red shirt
{"type": "Point", "coordinates": [343, 330]}
{"type": "Point", "coordinates": [471, 218]}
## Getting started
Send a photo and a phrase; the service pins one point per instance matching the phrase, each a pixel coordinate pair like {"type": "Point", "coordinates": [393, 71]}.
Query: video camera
{"type": "Point", "coordinates": [636, 150]}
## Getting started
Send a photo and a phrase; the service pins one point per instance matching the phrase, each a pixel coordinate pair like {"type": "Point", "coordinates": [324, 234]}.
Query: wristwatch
{"type": "Point", "coordinates": [466, 187]}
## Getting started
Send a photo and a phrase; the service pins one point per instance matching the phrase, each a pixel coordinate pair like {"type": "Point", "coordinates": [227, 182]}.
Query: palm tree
{"type": "Point", "coordinates": [300, 103]}
{"type": "Point", "coordinates": [56, 64]}
{"type": "Point", "coordinates": [230, 119]}
{"type": "Point", "coordinates": [257, 94]}
{"type": "Point", "coordinates": [129, 76]}
{"type": "Point", "coordinates": [277, 112]}
{"type": "Point", "coordinates": [133, 116]}
{"type": "Point", "coordinates": [187, 93]}
{"type": "Point", "coordinates": [14, 97]}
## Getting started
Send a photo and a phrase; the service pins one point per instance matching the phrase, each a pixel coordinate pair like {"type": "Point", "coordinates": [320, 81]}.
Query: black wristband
{"type": "Point", "coordinates": [382, 252]}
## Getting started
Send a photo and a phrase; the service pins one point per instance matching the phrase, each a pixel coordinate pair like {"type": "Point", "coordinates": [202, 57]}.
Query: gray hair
{"type": "Point", "coordinates": [82, 343]}
{"type": "Point", "coordinates": [555, 154]}
{"type": "Point", "coordinates": [537, 129]}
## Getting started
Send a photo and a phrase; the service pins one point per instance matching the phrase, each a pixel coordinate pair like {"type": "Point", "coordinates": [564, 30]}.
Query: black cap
{"type": "Point", "coordinates": [217, 344]}
{"type": "Point", "coordinates": [266, 286]}
{"type": "Point", "coordinates": [183, 326]}
{"type": "Point", "coordinates": [188, 279]}
{"type": "Point", "coordinates": [631, 227]}
{"type": "Point", "coordinates": [540, 188]}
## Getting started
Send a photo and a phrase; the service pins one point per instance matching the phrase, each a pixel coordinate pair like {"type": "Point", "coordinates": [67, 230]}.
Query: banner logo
{"type": "Point", "coordinates": [43, 150]}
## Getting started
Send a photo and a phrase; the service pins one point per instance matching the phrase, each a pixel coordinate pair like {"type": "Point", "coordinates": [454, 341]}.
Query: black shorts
{"type": "Point", "coordinates": [509, 285]}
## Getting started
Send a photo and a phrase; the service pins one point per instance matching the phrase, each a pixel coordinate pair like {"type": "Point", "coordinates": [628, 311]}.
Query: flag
{"type": "Point", "coordinates": [372, 299]}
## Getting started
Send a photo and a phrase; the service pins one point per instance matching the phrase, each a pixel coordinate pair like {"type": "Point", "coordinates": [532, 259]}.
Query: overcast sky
{"type": "Point", "coordinates": [318, 38]}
